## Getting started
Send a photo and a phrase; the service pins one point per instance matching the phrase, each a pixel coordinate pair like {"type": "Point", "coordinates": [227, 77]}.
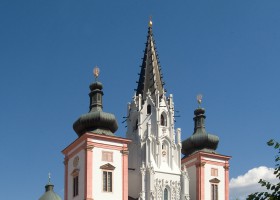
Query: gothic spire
{"type": "Point", "coordinates": [150, 78]}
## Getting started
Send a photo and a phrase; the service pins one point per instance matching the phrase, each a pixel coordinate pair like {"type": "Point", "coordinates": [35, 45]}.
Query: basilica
{"type": "Point", "coordinates": [152, 162]}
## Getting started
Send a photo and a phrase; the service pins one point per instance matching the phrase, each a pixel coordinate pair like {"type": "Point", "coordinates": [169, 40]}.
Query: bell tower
{"type": "Point", "coordinates": [208, 170]}
{"type": "Point", "coordinates": [154, 165]}
{"type": "Point", "coordinates": [96, 162]}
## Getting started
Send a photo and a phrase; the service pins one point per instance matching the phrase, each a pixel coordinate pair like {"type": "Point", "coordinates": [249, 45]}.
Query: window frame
{"type": "Point", "coordinates": [214, 172]}
{"type": "Point", "coordinates": [214, 191]}
{"type": "Point", "coordinates": [163, 119]}
{"type": "Point", "coordinates": [149, 109]}
{"type": "Point", "coordinates": [165, 194]}
{"type": "Point", "coordinates": [75, 183]}
{"type": "Point", "coordinates": [108, 169]}
{"type": "Point", "coordinates": [107, 186]}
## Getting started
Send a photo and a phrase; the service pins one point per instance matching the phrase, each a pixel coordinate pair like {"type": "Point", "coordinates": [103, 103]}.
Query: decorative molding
{"type": "Point", "coordinates": [215, 180]}
{"type": "Point", "coordinates": [76, 161]}
{"type": "Point", "coordinates": [125, 152]}
{"type": "Point", "coordinates": [75, 172]}
{"type": "Point", "coordinates": [226, 167]}
{"type": "Point", "coordinates": [200, 164]}
{"type": "Point", "coordinates": [89, 147]}
{"type": "Point", "coordinates": [66, 159]}
{"type": "Point", "coordinates": [107, 166]}
{"type": "Point", "coordinates": [142, 170]}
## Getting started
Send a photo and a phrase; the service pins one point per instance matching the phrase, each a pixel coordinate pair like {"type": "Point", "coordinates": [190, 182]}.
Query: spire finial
{"type": "Point", "coordinates": [96, 72]}
{"type": "Point", "coordinates": [49, 177]}
{"type": "Point", "coordinates": [199, 99]}
{"type": "Point", "coordinates": [150, 22]}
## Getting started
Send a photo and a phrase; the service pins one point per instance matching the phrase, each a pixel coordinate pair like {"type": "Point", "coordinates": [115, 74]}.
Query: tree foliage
{"type": "Point", "coordinates": [272, 190]}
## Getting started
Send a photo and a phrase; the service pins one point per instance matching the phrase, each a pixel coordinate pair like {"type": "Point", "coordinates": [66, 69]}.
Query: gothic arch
{"type": "Point", "coordinates": [149, 109]}
{"type": "Point", "coordinates": [163, 119]}
{"type": "Point", "coordinates": [165, 149]}
{"type": "Point", "coordinates": [166, 193]}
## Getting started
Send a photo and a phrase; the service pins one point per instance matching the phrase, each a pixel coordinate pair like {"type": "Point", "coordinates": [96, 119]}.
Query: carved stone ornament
{"type": "Point", "coordinates": [75, 172]}
{"type": "Point", "coordinates": [76, 161]}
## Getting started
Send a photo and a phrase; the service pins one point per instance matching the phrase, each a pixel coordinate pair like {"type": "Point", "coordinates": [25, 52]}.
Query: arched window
{"type": "Point", "coordinates": [149, 109]}
{"type": "Point", "coordinates": [162, 120]}
{"type": "Point", "coordinates": [165, 194]}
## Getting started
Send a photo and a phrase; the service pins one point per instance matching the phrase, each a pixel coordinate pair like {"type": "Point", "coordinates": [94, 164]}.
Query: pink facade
{"type": "Point", "coordinates": [84, 145]}
{"type": "Point", "coordinates": [203, 163]}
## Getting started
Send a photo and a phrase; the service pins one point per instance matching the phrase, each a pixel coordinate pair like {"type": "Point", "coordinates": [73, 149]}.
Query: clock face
{"type": "Point", "coordinates": [76, 161]}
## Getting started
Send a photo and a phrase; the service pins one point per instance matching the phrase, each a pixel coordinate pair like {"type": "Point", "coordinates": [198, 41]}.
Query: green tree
{"type": "Point", "coordinates": [273, 190]}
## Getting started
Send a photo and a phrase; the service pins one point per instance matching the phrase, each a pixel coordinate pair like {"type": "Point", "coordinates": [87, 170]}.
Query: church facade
{"type": "Point", "coordinates": [147, 164]}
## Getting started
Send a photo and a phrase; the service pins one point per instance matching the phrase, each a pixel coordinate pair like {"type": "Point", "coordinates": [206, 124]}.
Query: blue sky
{"type": "Point", "coordinates": [226, 50]}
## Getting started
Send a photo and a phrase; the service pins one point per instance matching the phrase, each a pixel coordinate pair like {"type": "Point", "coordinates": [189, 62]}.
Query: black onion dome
{"type": "Point", "coordinates": [96, 120]}
{"type": "Point", "coordinates": [200, 140]}
{"type": "Point", "coordinates": [96, 85]}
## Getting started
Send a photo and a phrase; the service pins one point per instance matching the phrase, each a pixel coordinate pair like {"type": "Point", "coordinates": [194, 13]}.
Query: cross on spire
{"type": "Point", "coordinates": [49, 177]}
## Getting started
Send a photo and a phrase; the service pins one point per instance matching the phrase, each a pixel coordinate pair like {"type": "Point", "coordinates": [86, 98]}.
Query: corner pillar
{"type": "Point", "coordinates": [125, 174]}
{"type": "Point", "coordinates": [66, 159]}
{"type": "Point", "coordinates": [88, 172]}
{"type": "Point", "coordinates": [200, 183]}
{"type": "Point", "coordinates": [226, 167]}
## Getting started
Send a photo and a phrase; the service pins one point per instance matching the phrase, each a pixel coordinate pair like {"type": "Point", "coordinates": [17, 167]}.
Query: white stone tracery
{"type": "Point", "coordinates": [155, 151]}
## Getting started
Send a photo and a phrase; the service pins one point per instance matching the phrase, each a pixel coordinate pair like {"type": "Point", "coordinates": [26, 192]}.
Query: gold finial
{"type": "Point", "coordinates": [150, 22]}
{"type": "Point", "coordinates": [199, 99]}
{"type": "Point", "coordinates": [96, 72]}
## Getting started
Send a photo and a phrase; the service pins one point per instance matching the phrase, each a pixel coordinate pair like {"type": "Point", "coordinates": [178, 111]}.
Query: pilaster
{"type": "Point", "coordinates": [200, 183]}
{"type": "Point", "coordinates": [226, 168]}
{"type": "Point", "coordinates": [88, 172]}
{"type": "Point", "coordinates": [125, 173]}
{"type": "Point", "coordinates": [66, 159]}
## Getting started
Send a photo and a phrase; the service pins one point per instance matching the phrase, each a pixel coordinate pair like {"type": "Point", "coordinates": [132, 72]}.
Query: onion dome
{"type": "Point", "coordinates": [49, 194]}
{"type": "Point", "coordinates": [200, 140]}
{"type": "Point", "coordinates": [96, 121]}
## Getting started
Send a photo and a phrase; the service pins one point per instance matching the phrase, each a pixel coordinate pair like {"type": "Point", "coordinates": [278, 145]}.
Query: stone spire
{"type": "Point", "coordinates": [150, 78]}
{"type": "Point", "coordinates": [96, 121]}
{"type": "Point", "coordinates": [200, 140]}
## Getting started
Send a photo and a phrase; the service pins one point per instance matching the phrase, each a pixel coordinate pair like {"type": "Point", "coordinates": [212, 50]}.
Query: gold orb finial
{"type": "Point", "coordinates": [96, 72]}
{"type": "Point", "coordinates": [150, 22]}
{"type": "Point", "coordinates": [199, 99]}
